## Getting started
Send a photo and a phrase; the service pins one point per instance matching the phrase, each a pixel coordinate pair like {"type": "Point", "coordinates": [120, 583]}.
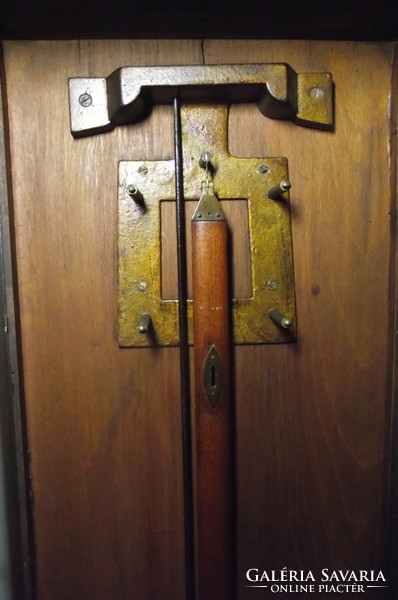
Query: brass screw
{"type": "Point", "coordinates": [85, 100]}
{"type": "Point", "coordinates": [272, 284]}
{"type": "Point", "coordinates": [142, 170]}
{"type": "Point", "coordinates": [317, 93]}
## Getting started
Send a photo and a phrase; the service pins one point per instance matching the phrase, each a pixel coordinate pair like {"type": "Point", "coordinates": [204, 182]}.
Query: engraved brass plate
{"type": "Point", "coordinates": [139, 237]}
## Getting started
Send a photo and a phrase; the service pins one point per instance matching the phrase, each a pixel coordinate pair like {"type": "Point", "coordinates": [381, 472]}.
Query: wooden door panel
{"type": "Point", "coordinates": [321, 419]}
{"type": "Point", "coordinates": [104, 423]}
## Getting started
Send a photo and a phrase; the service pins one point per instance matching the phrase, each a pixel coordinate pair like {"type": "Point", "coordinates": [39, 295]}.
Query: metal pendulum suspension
{"type": "Point", "coordinates": [184, 358]}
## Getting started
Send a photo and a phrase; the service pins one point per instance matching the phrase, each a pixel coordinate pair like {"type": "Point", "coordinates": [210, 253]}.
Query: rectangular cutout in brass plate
{"type": "Point", "coordinates": [144, 185]}
{"type": "Point", "coordinates": [236, 213]}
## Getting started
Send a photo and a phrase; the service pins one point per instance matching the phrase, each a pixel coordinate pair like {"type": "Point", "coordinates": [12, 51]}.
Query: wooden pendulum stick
{"type": "Point", "coordinates": [213, 435]}
{"type": "Point", "coordinates": [209, 553]}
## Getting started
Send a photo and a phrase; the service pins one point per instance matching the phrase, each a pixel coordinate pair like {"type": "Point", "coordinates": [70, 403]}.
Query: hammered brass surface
{"type": "Point", "coordinates": [204, 127]}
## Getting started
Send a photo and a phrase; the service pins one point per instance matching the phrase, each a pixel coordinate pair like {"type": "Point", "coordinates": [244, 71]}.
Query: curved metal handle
{"type": "Point", "coordinates": [127, 94]}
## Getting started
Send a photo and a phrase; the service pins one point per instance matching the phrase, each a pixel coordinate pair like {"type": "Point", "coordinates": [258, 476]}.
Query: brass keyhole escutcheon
{"type": "Point", "coordinates": [213, 375]}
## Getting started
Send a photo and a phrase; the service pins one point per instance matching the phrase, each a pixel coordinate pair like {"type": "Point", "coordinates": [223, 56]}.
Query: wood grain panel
{"type": "Point", "coordinates": [104, 423]}
{"type": "Point", "coordinates": [312, 418]}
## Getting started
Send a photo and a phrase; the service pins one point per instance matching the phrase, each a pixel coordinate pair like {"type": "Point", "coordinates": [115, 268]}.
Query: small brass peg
{"type": "Point", "coordinates": [280, 319]}
{"type": "Point", "coordinates": [136, 195]}
{"type": "Point", "coordinates": [145, 323]}
{"type": "Point", "coordinates": [205, 160]}
{"type": "Point", "coordinates": [277, 191]}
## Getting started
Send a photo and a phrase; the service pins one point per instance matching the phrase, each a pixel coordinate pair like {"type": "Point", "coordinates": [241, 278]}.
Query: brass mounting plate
{"type": "Point", "coordinates": [139, 235]}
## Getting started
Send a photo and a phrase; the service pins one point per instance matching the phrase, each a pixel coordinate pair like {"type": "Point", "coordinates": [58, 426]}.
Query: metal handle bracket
{"type": "Point", "coordinates": [127, 94]}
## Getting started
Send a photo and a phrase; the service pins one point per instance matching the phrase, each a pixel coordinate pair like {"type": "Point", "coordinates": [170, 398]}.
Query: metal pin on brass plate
{"type": "Point", "coordinates": [145, 323]}
{"type": "Point", "coordinates": [277, 191]}
{"type": "Point", "coordinates": [136, 195]}
{"type": "Point", "coordinates": [205, 161]}
{"type": "Point", "coordinates": [280, 319]}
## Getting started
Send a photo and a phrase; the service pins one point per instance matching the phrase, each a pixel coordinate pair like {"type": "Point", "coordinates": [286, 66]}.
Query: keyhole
{"type": "Point", "coordinates": [213, 376]}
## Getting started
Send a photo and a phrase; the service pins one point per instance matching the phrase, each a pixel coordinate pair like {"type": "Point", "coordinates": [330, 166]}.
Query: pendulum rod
{"type": "Point", "coordinates": [214, 502]}
{"type": "Point", "coordinates": [184, 357]}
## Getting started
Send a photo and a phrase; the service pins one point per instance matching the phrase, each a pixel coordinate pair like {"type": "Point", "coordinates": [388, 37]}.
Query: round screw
{"type": "Point", "coordinates": [263, 169]}
{"type": "Point", "coordinates": [85, 100]}
{"type": "Point", "coordinates": [272, 284]}
{"type": "Point", "coordinates": [143, 286]}
{"type": "Point", "coordinates": [142, 170]}
{"type": "Point", "coordinates": [317, 93]}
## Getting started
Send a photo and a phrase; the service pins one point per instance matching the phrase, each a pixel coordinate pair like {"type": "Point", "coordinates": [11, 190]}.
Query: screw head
{"type": "Point", "coordinates": [142, 170]}
{"type": "Point", "coordinates": [85, 100]}
{"type": "Point", "coordinates": [317, 93]}
{"type": "Point", "coordinates": [272, 284]}
{"type": "Point", "coordinates": [143, 286]}
{"type": "Point", "coordinates": [263, 169]}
